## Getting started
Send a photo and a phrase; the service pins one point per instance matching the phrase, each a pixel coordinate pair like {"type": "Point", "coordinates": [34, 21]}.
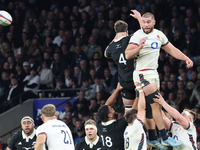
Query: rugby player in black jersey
{"type": "Point", "coordinates": [116, 51]}
{"type": "Point", "coordinates": [110, 129]}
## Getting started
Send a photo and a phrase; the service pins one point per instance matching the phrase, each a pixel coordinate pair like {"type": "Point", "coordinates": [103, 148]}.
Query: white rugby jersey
{"type": "Point", "coordinates": [148, 55]}
{"type": "Point", "coordinates": [135, 137]}
{"type": "Point", "coordinates": [187, 136]}
{"type": "Point", "coordinates": [58, 134]}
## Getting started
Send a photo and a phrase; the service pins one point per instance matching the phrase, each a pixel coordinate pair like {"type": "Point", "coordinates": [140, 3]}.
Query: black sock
{"type": "Point", "coordinates": [152, 134]}
{"type": "Point", "coordinates": [164, 134]}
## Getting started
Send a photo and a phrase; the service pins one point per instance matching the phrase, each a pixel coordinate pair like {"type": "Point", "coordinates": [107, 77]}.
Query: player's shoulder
{"type": "Point", "coordinates": [158, 32]}
{"type": "Point", "coordinates": [81, 141]}
{"type": "Point", "coordinates": [17, 134]}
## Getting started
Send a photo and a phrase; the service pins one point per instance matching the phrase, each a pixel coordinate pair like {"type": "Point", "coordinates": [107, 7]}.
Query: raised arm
{"type": "Point", "coordinates": [137, 16]}
{"type": "Point", "coordinates": [111, 100]}
{"type": "Point", "coordinates": [141, 103]}
{"type": "Point", "coordinates": [173, 112]}
{"type": "Point", "coordinates": [133, 49]}
{"type": "Point", "coordinates": [177, 54]}
{"type": "Point", "coordinates": [166, 120]}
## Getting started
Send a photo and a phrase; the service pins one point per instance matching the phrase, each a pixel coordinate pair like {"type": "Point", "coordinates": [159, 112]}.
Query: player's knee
{"type": "Point", "coordinates": [149, 98]}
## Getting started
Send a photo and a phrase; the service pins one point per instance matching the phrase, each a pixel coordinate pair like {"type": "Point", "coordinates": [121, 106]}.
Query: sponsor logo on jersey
{"type": "Point", "coordinates": [104, 130]}
{"type": "Point", "coordinates": [98, 148]}
{"type": "Point", "coordinates": [118, 46]}
{"type": "Point", "coordinates": [20, 143]}
{"type": "Point", "coordinates": [33, 143]}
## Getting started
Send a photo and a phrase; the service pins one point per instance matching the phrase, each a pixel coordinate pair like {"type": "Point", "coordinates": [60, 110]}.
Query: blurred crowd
{"type": "Point", "coordinates": [60, 44]}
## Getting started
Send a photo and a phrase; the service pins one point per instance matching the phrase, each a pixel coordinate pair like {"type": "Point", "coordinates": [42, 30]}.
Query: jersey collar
{"type": "Point", "coordinates": [119, 39]}
{"type": "Point", "coordinates": [108, 122]}
{"type": "Point", "coordinates": [93, 143]}
{"type": "Point", "coordinates": [29, 137]}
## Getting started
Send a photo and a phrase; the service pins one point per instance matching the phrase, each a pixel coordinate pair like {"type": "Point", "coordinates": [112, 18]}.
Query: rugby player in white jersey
{"type": "Point", "coordinates": [183, 129]}
{"type": "Point", "coordinates": [134, 135]}
{"type": "Point", "coordinates": [146, 67]}
{"type": "Point", "coordinates": [53, 132]}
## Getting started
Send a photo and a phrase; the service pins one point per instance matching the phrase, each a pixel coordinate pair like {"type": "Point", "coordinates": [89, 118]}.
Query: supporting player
{"type": "Point", "coordinates": [53, 132]}
{"type": "Point", "coordinates": [116, 51]}
{"type": "Point", "coordinates": [26, 138]}
{"type": "Point", "coordinates": [91, 140]}
{"type": "Point", "coordinates": [134, 135]}
{"type": "Point", "coordinates": [111, 129]}
{"type": "Point", "coordinates": [147, 43]}
{"type": "Point", "coordinates": [183, 129]}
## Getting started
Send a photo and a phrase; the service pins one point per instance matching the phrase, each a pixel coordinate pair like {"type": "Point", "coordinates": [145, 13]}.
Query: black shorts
{"type": "Point", "coordinates": [128, 90]}
{"type": "Point", "coordinates": [148, 111]}
{"type": "Point", "coordinates": [130, 95]}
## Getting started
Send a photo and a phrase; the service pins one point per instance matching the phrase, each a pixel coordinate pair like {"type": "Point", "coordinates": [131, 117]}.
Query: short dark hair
{"type": "Point", "coordinates": [120, 26]}
{"type": "Point", "coordinates": [103, 113]}
{"type": "Point", "coordinates": [148, 14]}
{"type": "Point", "coordinates": [131, 115]}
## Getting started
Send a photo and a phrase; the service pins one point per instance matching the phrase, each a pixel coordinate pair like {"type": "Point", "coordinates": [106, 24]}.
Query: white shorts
{"type": "Point", "coordinates": [145, 77]}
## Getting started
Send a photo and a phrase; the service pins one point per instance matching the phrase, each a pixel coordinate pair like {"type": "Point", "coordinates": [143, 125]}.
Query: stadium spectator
{"type": "Point", "coordinates": [46, 77]}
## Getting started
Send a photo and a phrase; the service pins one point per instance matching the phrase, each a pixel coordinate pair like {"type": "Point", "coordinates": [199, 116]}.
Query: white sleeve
{"type": "Point", "coordinates": [135, 39]}
{"type": "Point", "coordinates": [40, 130]}
{"type": "Point", "coordinates": [164, 39]}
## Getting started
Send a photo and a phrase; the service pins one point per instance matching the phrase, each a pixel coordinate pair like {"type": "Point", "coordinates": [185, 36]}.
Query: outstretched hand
{"type": "Point", "coordinates": [159, 99]}
{"type": "Point", "coordinates": [135, 14]}
{"type": "Point", "coordinates": [189, 63]}
{"type": "Point", "coordinates": [119, 87]}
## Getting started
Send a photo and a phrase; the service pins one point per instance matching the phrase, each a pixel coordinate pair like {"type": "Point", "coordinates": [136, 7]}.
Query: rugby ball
{"type": "Point", "coordinates": [5, 18]}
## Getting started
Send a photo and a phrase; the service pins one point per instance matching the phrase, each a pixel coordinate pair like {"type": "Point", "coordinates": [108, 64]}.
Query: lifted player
{"type": "Point", "coordinates": [116, 51]}
{"type": "Point", "coordinates": [147, 42]}
{"type": "Point", "coordinates": [183, 129]}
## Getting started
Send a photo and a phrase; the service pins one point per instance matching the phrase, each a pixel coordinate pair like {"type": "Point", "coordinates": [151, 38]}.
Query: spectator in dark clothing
{"type": "Point", "coordinates": [99, 70]}
{"type": "Point", "coordinates": [26, 68]}
{"type": "Point", "coordinates": [93, 106]}
{"type": "Point", "coordinates": [66, 55]}
{"type": "Point", "coordinates": [60, 85]}
{"type": "Point", "coordinates": [79, 75]}
{"type": "Point", "coordinates": [82, 99]}
{"type": "Point", "coordinates": [102, 90]}
{"type": "Point", "coordinates": [5, 80]}
{"type": "Point", "coordinates": [78, 56]}
{"type": "Point", "coordinates": [47, 58]}
{"type": "Point", "coordinates": [58, 65]}
{"type": "Point", "coordinates": [20, 74]}
{"type": "Point", "coordinates": [9, 98]}
{"type": "Point", "coordinates": [73, 84]}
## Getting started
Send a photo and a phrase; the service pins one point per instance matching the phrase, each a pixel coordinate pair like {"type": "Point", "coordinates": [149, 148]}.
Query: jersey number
{"type": "Point", "coordinates": [127, 143]}
{"type": "Point", "coordinates": [107, 141]}
{"type": "Point", "coordinates": [121, 59]}
{"type": "Point", "coordinates": [65, 135]}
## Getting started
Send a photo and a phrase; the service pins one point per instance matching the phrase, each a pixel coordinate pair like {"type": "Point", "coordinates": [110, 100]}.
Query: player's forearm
{"type": "Point", "coordinates": [39, 146]}
{"type": "Point", "coordinates": [176, 53]}
{"type": "Point", "coordinates": [141, 102]}
{"type": "Point", "coordinates": [173, 112]}
{"type": "Point", "coordinates": [111, 100]}
{"type": "Point", "coordinates": [131, 51]}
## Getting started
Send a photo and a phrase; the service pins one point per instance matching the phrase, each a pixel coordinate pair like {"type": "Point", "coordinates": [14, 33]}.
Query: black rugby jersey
{"type": "Point", "coordinates": [82, 145]}
{"type": "Point", "coordinates": [116, 51]}
{"type": "Point", "coordinates": [112, 135]}
{"type": "Point", "coordinates": [17, 141]}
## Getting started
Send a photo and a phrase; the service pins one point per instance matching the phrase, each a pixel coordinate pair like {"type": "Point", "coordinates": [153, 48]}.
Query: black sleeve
{"type": "Point", "coordinates": [32, 85]}
{"type": "Point", "coordinates": [108, 54]}
{"type": "Point", "coordinates": [13, 141]}
{"type": "Point", "coordinates": [122, 123]}
{"type": "Point", "coordinates": [25, 82]}
{"type": "Point", "coordinates": [78, 145]}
